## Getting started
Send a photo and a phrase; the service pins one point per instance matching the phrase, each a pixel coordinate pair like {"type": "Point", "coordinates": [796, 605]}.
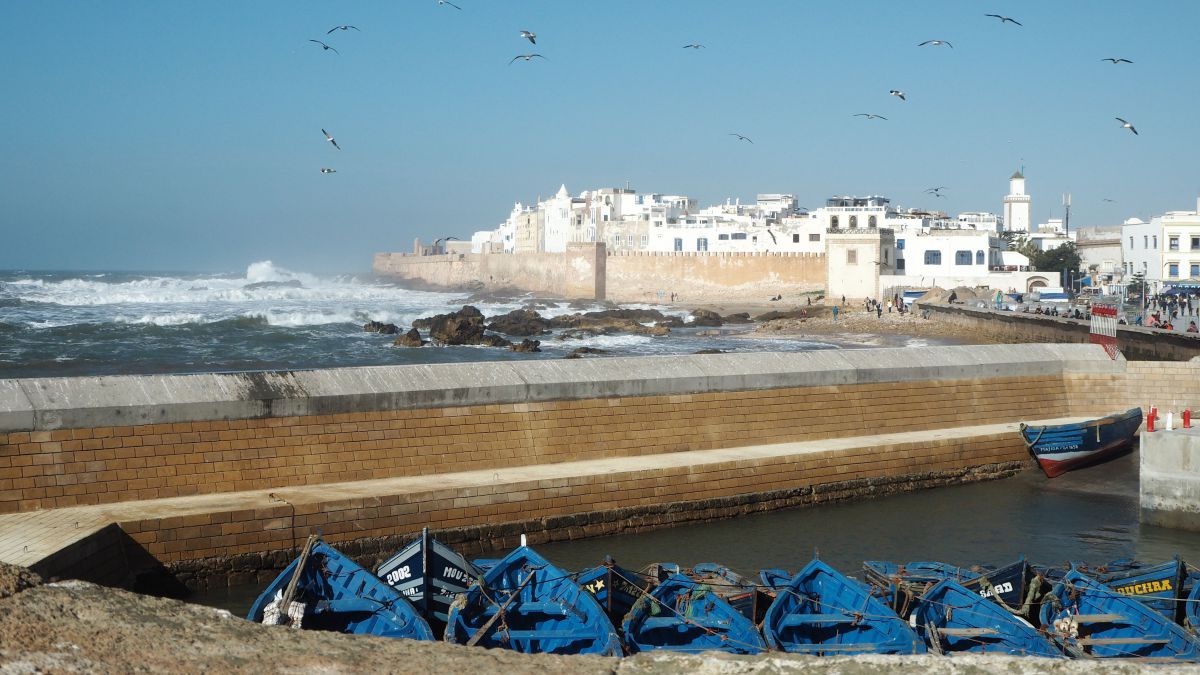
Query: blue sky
{"type": "Point", "coordinates": [186, 135]}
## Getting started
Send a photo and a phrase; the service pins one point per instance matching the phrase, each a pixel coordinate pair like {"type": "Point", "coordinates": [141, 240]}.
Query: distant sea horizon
{"type": "Point", "coordinates": [86, 323]}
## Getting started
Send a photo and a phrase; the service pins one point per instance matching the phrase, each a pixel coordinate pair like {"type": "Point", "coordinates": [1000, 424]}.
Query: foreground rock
{"type": "Point", "coordinates": [380, 327]}
{"type": "Point", "coordinates": [707, 318]}
{"type": "Point", "coordinates": [410, 339]}
{"type": "Point", "coordinates": [521, 323]}
{"type": "Point", "coordinates": [527, 346]}
{"type": "Point", "coordinates": [15, 579]}
{"type": "Point", "coordinates": [464, 327]}
{"type": "Point", "coordinates": [584, 351]}
{"type": "Point", "coordinates": [79, 627]}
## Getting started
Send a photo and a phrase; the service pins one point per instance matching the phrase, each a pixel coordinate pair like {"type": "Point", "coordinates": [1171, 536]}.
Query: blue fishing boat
{"type": "Point", "coordinates": [614, 587]}
{"type": "Point", "coordinates": [1059, 448]}
{"type": "Point", "coordinates": [823, 612]}
{"type": "Point", "coordinates": [1087, 618]}
{"type": "Point", "coordinates": [430, 575]}
{"type": "Point", "coordinates": [1160, 587]}
{"type": "Point", "coordinates": [775, 579]}
{"type": "Point", "coordinates": [1008, 585]}
{"type": "Point", "coordinates": [954, 619]}
{"type": "Point", "coordinates": [324, 590]}
{"type": "Point", "coordinates": [525, 604]}
{"type": "Point", "coordinates": [741, 593]}
{"type": "Point", "coordinates": [685, 615]}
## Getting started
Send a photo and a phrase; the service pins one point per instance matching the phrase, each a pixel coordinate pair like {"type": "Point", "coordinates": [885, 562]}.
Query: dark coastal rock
{"type": "Point", "coordinates": [585, 304]}
{"type": "Point", "coordinates": [672, 322]}
{"type": "Point", "coordinates": [520, 322]}
{"type": "Point", "coordinates": [740, 317]}
{"type": "Point", "coordinates": [611, 322]}
{"type": "Point", "coordinates": [527, 346]}
{"type": "Point", "coordinates": [711, 351]}
{"type": "Point", "coordinates": [464, 327]}
{"type": "Point", "coordinates": [704, 317]}
{"type": "Point", "coordinates": [790, 314]}
{"type": "Point", "coordinates": [380, 327]}
{"type": "Point", "coordinates": [579, 353]}
{"type": "Point", "coordinates": [489, 340]}
{"type": "Point", "coordinates": [639, 315]}
{"type": "Point", "coordinates": [410, 339]}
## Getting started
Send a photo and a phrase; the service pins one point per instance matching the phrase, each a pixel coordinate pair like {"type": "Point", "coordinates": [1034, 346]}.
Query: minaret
{"type": "Point", "coordinates": [1017, 205]}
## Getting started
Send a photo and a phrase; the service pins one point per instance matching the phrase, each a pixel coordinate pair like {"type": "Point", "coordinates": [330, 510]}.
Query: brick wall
{"type": "Point", "coordinates": [68, 467]}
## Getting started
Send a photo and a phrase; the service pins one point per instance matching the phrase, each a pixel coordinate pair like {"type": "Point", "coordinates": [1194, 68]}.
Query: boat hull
{"type": "Point", "coordinates": [684, 615]}
{"type": "Point", "coordinates": [1060, 448]}
{"type": "Point", "coordinates": [825, 613]}
{"type": "Point", "coordinates": [430, 575]}
{"type": "Point", "coordinates": [337, 595]}
{"type": "Point", "coordinates": [954, 619]}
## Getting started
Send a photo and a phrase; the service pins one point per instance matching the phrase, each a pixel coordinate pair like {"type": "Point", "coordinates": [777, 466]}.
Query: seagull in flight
{"type": "Point", "coordinates": [1127, 125]}
{"type": "Point", "coordinates": [328, 170]}
{"type": "Point", "coordinates": [1116, 61]}
{"type": "Point", "coordinates": [936, 191]}
{"type": "Point", "coordinates": [1004, 19]}
{"type": "Point", "coordinates": [1106, 199]}
{"type": "Point", "coordinates": [527, 57]}
{"type": "Point", "coordinates": [694, 45]}
{"type": "Point", "coordinates": [341, 28]}
{"type": "Point", "coordinates": [447, 2]}
{"type": "Point", "coordinates": [743, 138]}
{"type": "Point", "coordinates": [870, 116]}
{"type": "Point", "coordinates": [326, 47]}
{"type": "Point", "coordinates": [936, 43]}
{"type": "Point", "coordinates": [330, 139]}
{"type": "Point", "coordinates": [898, 94]}
{"type": "Point", "coordinates": [529, 35]}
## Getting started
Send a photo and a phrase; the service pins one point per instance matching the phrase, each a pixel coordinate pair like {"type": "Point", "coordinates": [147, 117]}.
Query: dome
{"type": "Point", "coordinates": [1016, 175]}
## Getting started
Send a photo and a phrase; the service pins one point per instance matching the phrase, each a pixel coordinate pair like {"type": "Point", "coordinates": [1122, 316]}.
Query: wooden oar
{"type": "Point", "coordinates": [488, 624]}
{"type": "Point", "coordinates": [286, 601]}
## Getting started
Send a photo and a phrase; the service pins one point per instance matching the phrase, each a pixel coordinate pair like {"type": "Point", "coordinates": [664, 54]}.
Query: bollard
{"type": "Point", "coordinates": [1150, 421]}
{"type": "Point", "coordinates": [1187, 418]}
{"type": "Point", "coordinates": [1170, 421]}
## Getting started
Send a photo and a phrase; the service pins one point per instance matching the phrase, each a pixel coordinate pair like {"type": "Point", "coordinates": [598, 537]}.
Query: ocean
{"type": "Point", "coordinates": [61, 324]}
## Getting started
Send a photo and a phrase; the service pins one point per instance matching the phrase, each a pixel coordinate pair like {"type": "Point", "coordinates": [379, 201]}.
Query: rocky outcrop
{"type": "Point", "coordinates": [15, 579]}
{"type": "Point", "coordinates": [789, 314]}
{"type": "Point", "coordinates": [527, 346]}
{"type": "Point", "coordinates": [583, 351]}
{"type": "Point", "coordinates": [710, 351]}
{"type": "Point", "coordinates": [740, 317]}
{"type": "Point", "coordinates": [380, 327]}
{"type": "Point", "coordinates": [610, 322]}
{"type": "Point", "coordinates": [520, 322]}
{"type": "Point", "coordinates": [410, 339]}
{"type": "Point", "coordinates": [706, 318]}
{"type": "Point", "coordinates": [464, 327]}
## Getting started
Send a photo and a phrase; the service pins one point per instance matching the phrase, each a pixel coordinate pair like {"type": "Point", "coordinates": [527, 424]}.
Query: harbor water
{"type": "Point", "coordinates": [1090, 515]}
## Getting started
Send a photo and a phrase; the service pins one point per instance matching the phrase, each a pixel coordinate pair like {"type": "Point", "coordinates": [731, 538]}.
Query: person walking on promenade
{"type": "Point", "coordinates": [835, 312]}
{"type": "Point", "coordinates": [889, 306]}
{"type": "Point", "coordinates": [878, 310]}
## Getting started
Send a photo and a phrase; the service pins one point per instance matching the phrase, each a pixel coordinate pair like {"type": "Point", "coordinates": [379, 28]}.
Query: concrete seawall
{"type": "Point", "coordinates": [1136, 343]}
{"type": "Point", "coordinates": [220, 474]}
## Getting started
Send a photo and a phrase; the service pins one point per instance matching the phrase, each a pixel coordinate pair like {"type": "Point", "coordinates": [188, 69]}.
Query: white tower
{"type": "Point", "coordinates": [1017, 205]}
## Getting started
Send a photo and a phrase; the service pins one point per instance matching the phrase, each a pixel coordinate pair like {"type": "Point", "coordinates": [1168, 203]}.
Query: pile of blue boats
{"type": "Point", "coordinates": [525, 603]}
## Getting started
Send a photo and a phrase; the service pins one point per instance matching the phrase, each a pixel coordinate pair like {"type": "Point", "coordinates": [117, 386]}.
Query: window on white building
{"type": "Point", "coordinates": [1173, 243]}
{"type": "Point", "coordinates": [900, 244]}
{"type": "Point", "coordinates": [933, 257]}
{"type": "Point", "coordinates": [1195, 243]}
{"type": "Point", "coordinates": [1156, 242]}
{"type": "Point", "coordinates": [645, 240]}
{"type": "Point", "coordinates": [702, 244]}
{"type": "Point", "coordinates": [1195, 271]}
{"type": "Point", "coordinates": [851, 255]}
{"type": "Point", "coordinates": [1173, 270]}
{"type": "Point", "coordinates": [678, 244]}
{"type": "Point", "coordinates": [899, 263]}
{"type": "Point", "coordinates": [796, 238]}
{"type": "Point", "coordinates": [722, 237]}
{"type": "Point", "coordinates": [1145, 241]}
{"type": "Point", "coordinates": [979, 257]}
{"type": "Point", "coordinates": [853, 222]}
{"type": "Point", "coordinates": [833, 222]}
{"type": "Point", "coordinates": [1131, 243]}
{"type": "Point", "coordinates": [962, 257]}
{"type": "Point", "coordinates": [815, 236]}
{"type": "Point", "coordinates": [738, 236]}
{"type": "Point", "coordinates": [871, 221]}
{"type": "Point", "coordinates": [629, 240]}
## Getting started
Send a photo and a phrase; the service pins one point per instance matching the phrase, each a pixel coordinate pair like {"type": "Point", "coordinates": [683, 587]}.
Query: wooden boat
{"type": "Point", "coordinates": [954, 619]}
{"type": "Point", "coordinates": [431, 593]}
{"type": "Point", "coordinates": [525, 604]}
{"type": "Point", "coordinates": [1059, 448]}
{"type": "Point", "coordinates": [324, 590]}
{"type": "Point", "coordinates": [823, 612]}
{"type": "Point", "coordinates": [1009, 586]}
{"type": "Point", "coordinates": [1160, 587]}
{"type": "Point", "coordinates": [775, 579]}
{"type": "Point", "coordinates": [615, 588]}
{"type": "Point", "coordinates": [1087, 618]}
{"type": "Point", "coordinates": [685, 615]}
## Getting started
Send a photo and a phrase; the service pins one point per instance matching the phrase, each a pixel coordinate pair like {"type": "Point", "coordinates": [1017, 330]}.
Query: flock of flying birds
{"type": "Point", "coordinates": [532, 37]}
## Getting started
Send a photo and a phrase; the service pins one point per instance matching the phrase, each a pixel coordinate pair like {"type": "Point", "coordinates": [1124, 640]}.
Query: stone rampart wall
{"type": "Point", "coordinates": [76, 441]}
{"type": "Point", "coordinates": [707, 277]}
{"type": "Point", "coordinates": [577, 273]}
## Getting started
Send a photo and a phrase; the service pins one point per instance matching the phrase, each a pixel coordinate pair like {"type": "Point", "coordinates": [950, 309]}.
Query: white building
{"type": "Point", "coordinates": [1181, 247]}
{"type": "Point", "coordinates": [980, 220]}
{"type": "Point", "coordinates": [1017, 205]}
{"type": "Point", "coordinates": [1140, 248]}
{"type": "Point", "coordinates": [1100, 252]}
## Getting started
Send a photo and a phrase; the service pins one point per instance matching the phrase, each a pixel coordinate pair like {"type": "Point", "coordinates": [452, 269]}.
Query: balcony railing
{"type": "Point", "coordinates": [859, 230]}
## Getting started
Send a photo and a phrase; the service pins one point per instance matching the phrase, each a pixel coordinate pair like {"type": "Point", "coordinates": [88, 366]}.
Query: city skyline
{"type": "Point", "coordinates": [192, 140]}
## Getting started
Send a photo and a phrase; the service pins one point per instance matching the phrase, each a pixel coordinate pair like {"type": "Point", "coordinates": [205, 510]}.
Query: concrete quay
{"type": "Point", "coordinates": [218, 476]}
{"type": "Point", "coordinates": [1170, 477]}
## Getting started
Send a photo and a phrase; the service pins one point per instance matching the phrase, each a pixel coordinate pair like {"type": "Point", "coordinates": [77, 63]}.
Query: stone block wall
{"type": "Point", "coordinates": [712, 277]}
